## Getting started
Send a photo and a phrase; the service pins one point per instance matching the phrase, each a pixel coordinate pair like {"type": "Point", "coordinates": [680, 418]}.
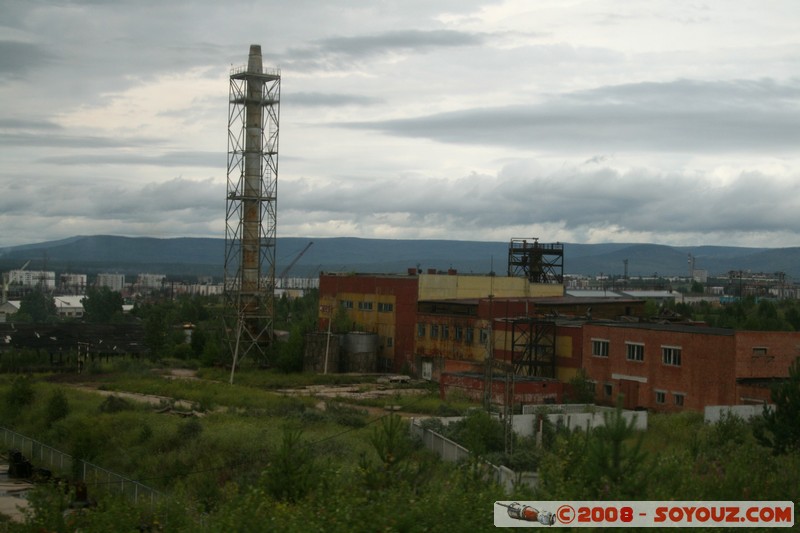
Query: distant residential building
{"type": "Point", "coordinates": [33, 278]}
{"type": "Point", "coordinates": [197, 289]}
{"type": "Point", "coordinates": [115, 282]}
{"type": "Point", "coordinates": [700, 276]}
{"type": "Point", "coordinates": [72, 283]}
{"type": "Point", "coordinates": [150, 282]}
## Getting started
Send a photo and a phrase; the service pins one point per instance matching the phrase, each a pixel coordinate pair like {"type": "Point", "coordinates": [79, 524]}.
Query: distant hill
{"type": "Point", "coordinates": [189, 257]}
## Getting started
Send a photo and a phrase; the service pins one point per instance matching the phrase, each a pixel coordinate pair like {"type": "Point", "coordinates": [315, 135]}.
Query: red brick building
{"type": "Point", "coordinates": [668, 367]}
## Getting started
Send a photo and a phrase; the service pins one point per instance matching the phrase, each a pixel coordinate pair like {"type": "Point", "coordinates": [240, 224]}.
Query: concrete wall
{"type": "Point", "coordinates": [526, 425]}
{"type": "Point", "coordinates": [714, 413]}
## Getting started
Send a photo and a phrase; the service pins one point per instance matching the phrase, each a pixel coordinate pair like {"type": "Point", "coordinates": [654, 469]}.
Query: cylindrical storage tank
{"type": "Point", "coordinates": [321, 349]}
{"type": "Point", "coordinates": [360, 352]}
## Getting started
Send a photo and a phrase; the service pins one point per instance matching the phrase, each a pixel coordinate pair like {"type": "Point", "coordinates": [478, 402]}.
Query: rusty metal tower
{"type": "Point", "coordinates": [250, 220]}
{"type": "Point", "coordinates": [535, 261]}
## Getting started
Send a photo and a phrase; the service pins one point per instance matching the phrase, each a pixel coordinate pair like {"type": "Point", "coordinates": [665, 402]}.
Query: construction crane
{"type": "Point", "coordinates": [285, 271]}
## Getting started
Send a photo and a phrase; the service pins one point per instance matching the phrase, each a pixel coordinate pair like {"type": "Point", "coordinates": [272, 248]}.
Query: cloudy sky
{"type": "Point", "coordinates": [674, 122]}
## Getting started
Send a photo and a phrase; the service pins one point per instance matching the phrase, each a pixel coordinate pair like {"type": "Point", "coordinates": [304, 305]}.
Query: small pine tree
{"type": "Point", "coordinates": [779, 428]}
{"type": "Point", "coordinates": [615, 469]}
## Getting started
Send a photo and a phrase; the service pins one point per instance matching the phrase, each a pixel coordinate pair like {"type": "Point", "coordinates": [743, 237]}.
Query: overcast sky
{"type": "Point", "coordinates": [673, 122]}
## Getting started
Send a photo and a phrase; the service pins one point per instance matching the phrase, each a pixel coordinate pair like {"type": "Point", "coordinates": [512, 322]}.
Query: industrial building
{"type": "Point", "coordinates": [671, 367]}
{"type": "Point", "coordinates": [525, 340]}
{"type": "Point", "coordinates": [387, 305]}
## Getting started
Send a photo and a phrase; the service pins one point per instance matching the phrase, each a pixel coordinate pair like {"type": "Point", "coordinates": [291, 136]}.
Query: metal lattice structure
{"type": "Point", "coordinates": [251, 214]}
{"type": "Point", "coordinates": [533, 347]}
{"type": "Point", "coordinates": [535, 261]}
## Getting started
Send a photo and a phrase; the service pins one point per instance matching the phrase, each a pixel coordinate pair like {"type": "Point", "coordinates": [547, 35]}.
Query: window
{"type": "Point", "coordinates": [469, 336]}
{"type": "Point", "coordinates": [599, 348]}
{"type": "Point", "coordinates": [459, 333]}
{"type": "Point", "coordinates": [385, 308]}
{"type": "Point", "coordinates": [661, 396]}
{"type": "Point", "coordinates": [389, 342]}
{"type": "Point", "coordinates": [635, 352]}
{"type": "Point", "coordinates": [759, 351]}
{"type": "Point", "coordinates": [365, 306]}
{"type": "Point", "coordinates": [445, 331]}
{"type": "Point", "coordinates": [347, 304]}
{"type": "Point", "coordinates": [484, 336]}
{"type": "Point", "coordinates": [679, 399]}
{"type": "Point", "coordinates": [608, 390]}
{"type": "Point", "coordinates": [420, 330]}
{"type": "Point", "coordinates": [434, 331]}
{"type": "Point", "coordinates": [671, 355]}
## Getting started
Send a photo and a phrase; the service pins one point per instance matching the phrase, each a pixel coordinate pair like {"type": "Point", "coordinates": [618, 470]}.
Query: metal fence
{"type": "Point", "coordinates": [43, 456]}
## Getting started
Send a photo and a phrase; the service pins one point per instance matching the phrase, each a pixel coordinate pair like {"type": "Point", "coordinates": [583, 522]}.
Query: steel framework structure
{"type": "Point", "coordinates": [535, 261]}
{"type": "Point", "coordinates": [251, 215]}
{"type": "Point", "coordinates": [533, 347]}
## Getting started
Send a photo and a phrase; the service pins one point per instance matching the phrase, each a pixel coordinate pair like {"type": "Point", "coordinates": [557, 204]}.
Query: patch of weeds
{"type": "Point", "coordinates": [346, 415]}
{"type": "Point", "coordinates": [115, 404]}
{"type": "Point", "coordinates": [311, 416]}
{"type": "Point", "coordinates": [447, 410]}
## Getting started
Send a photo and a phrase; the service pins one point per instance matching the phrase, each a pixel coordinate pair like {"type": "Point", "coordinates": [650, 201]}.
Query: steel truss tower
{"type": "Point", "coordinates": [250, 217]}
{"type": "Point", "coordinates": [535, 261]}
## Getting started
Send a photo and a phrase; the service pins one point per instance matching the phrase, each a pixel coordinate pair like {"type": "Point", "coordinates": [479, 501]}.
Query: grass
{"type": "Point", "coordinates": [233, 442]}
{"type": "Point", "coordinates": [273, 379]}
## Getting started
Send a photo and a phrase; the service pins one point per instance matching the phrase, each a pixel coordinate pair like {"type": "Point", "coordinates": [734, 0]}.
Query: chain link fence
{"type": "Point", "coordinates": [43, 456]}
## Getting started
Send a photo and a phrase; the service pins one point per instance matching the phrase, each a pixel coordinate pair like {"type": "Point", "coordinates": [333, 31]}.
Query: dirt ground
{"type": "Point", "coordinates": [12, 494]}
{"type": "Point", "coordinates": [382, 388]}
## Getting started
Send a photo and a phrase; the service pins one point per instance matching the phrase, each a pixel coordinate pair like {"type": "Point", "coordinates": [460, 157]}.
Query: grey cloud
{"type": "Point", "coordinates": [106, 199]}
{"type": "Point", "coordinates": [16, 58]}
{"type": "Point", "coordinates": [636, 201]}
{"type": "Point", "coordinates": [679, 116]}
{"type": "Point", "coordinates": [406, 40]}
{"type": "Point", "coordinates": [169, 159]}
{"type": "Point", "coordinates": [314, 99]}
{"type": "Point", "coordinates": [333, 52]}
{"type": "Point", "coordinates": [52, 139]}
{"type": "Point", "coordinates": [28, 124]}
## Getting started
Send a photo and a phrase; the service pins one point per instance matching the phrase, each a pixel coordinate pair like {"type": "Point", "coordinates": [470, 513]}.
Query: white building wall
{"type": "Point", "coordinates": [33, 278]}
{"type": "Point", "coordinates": [115, 282]}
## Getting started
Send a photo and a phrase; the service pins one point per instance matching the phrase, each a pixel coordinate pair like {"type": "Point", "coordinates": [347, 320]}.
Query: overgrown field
{"type": "Point", "coordinates": [255, 458]}
{"type": "Point", "coordinates": [252, 459]}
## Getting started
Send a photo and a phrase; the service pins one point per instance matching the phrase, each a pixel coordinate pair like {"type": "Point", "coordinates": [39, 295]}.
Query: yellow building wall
{"type": "Point", "coordinates": [372, 321]}
{"type": "Point", "coordinates": [563, 346]}
{"type": "Point", "coordinates": [564, 350]}
{"type": "Point", "coordinates": [446, 287]}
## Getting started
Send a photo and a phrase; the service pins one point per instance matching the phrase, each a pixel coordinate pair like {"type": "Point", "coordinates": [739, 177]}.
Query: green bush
{"type": "Point", "coordinates": [57, 406]}
{"type": "Point", "coordinates": [21, 394]}
{"type": "Point", "coordinates": [115, 404]}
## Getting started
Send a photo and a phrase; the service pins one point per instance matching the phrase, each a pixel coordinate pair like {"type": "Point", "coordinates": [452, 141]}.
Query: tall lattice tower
{"type": "Point", "coordinates": [251, 216]}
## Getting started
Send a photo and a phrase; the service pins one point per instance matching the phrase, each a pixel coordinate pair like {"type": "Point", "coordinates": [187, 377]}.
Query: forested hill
{"type": "Point", "coordinates": [205, 256]}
